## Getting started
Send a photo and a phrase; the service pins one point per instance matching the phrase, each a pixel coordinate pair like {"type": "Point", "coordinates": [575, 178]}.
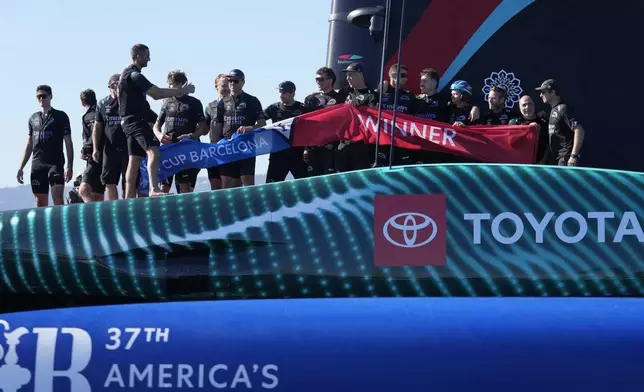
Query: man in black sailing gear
{"type": "Point", "coordinates": [407, 104]}
{"type": "Point", "coordinates": [528, 116]}
{"type": "Point", "coordinates": [431, 106]}
{"type": "Point", "coordinates": [134, 109]}
{"type": "Point", "coordinates": [321, 159]}
{"type": "Point", "coordinates": [292, 159]}
{"type": "Point", "coordinates": [459, 113]}
{"type": "Point", "coordinates": [91, 188]}
{"type": "Point", "coordinates": [184, 118]}
{"type": "Point", "coordinates": [498, 114]}
{"type": "Point", "coordinates": [110, 143]}
{"type": "Point", "coordinates": [240, 112]}
{"type": "Point", "coordinates": [49, 128]}
{"type": "Point", "coordinates": [355, 155]}
{"type": "Point", "coordinates": [566, 134]}
{"type": "Point", "coordinates": [223, 90]}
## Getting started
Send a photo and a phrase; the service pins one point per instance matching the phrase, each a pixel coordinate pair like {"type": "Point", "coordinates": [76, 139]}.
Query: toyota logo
{"type": "Point", "coordinates": [412, 223]}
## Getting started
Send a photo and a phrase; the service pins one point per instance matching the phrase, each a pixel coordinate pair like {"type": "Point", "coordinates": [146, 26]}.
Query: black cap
{"type": "Point", "coordinates": [354, 67]}
{"type": "Point", "coordinates": [286, 87]}
{"type": "Point", "coordinates": [236, 74]}
{"type": "Point", "coordinates": [114, 79]}
{"type": "Point", "coordinates": [549, 84]}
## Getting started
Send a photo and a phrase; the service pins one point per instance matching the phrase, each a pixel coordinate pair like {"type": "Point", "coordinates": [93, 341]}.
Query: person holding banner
{"type": "Point", "coordinates": [321, 159]}
{"type": "Point", "coordinates": [539, 120]}
{"type": "Point", "coordinates": [133, 109]}
{"type": "Point", "coordinates": [238, 113]}
{"type": "Point", "coordinates": [407, 104]}
{"type": "Point", "coordinates": [459, 108]}
{"type": "Point", "coordinates": [291, 160]}
{"type": "Point", "coordinates": [355, 155]}
{"type": "Point", "coordinates": [498, 114]}
{"type": "Point", "coordinates": [221, 84]}
{"type": "Point", "coordinates": [183, 117]}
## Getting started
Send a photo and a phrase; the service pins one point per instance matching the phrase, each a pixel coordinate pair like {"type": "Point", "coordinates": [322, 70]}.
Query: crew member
{"type": "Point", "coordinates": [432, 107]}
{"type": "Point", "coordinates": [184, 118]}
{"type": "Point", "coordinates": [360, 154]}
{"type": "Point", "coordinates": [134, 110]}
{"type": "Point", "coordinates": [291, 159]}
{"type": "Point", "coordinates": [459, 113]}
{"type": "Point", "coordinates": [48, 128]}
{"type": "Point", "coordinates": [407, 104]}
{"type": "Point", "coordinates": [109, 142]}
{"type": "Point", "coordinates": [498, 114]}
{"type": "Point", "coordinates": [321, 159]}
{"type": "Point", "coordinates": [221, 84]}
{"type": "Point", "coordinates": [529, 116]}
{"type": "Point", "coordinates": [459, 108]}
{"type": "Point", "coordinates": [91, 188]}
{"type": "Point", "coordinates": [239, 112]}
{"type": "Point", "coordinates": [566, 134]}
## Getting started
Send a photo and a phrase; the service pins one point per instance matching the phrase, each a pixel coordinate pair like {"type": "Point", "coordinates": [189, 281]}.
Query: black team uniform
{"type": "Point", "coordinates": [47, 133]}
{"type": "Point", "coordinates": [322, 158]}
{"type": "Point", "coordinates": [93, 170]}
{"type": "Point", "coordinates": [407, 104]}
{"type": "Point", "coordinates": [290, 160]}
{"type": "Point", "coordinates": [431, 107]}
{"type": "Point", "coordinates": [355, 155]}
{"type": "Point", "coordinates": [181, 115]}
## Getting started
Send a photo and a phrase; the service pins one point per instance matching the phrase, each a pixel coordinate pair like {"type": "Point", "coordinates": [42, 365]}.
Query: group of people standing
{"type": "Point", "coordinates": [121, 129]}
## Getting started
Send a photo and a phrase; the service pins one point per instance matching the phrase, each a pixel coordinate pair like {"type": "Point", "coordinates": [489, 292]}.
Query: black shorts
{"type": "Point", "coordinates": [92, 176]}
{"type": "Point", "coordinates": [115, 161]}
{"type": "Point", "coordinates": [43, 175]}
{"type": "Point", "coordinates": [140, 138]}
{"type": "Point", "coordinates": [188, 176]}
{"type": "Point", "coordinates": [245, 167]}
{"type": "Point", "coordinates": [213, 173]}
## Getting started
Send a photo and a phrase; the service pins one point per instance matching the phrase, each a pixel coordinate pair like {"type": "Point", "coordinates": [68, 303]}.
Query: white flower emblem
{"type": "Point", "coordinates": [507, 80]}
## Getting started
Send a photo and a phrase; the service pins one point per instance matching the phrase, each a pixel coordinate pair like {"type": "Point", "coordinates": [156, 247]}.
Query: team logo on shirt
{"type": "Point", "coordinates": [241, 105]}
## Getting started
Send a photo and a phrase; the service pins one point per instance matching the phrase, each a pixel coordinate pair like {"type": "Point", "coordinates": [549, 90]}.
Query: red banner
{"type": "Point", "coordinates": [492, 144]}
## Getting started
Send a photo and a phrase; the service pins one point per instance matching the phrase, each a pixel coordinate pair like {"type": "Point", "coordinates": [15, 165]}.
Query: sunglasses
{"type": "Point", "coordinates": [320, 79]}
{"type": "Point", "coordinates": [234, 81]}
{"type": "Point", "coordinates": [42, 96]}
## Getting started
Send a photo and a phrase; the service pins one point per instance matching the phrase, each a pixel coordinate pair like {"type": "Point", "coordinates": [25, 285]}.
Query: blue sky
{"type": "Point", "coordinates": [73, 45]}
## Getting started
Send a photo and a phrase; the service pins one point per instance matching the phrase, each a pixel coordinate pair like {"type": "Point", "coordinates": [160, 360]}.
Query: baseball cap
{"type": "Point", "coordinates": [236, 74]}
{"type": "Point", "coordinates": [286, 87]}
{"type": "Point", "coordinates": [354, 67]}
{"type": "Point", "coordinates": [114, 79]}
{"type": "Point", "coordinates": [549, 84]}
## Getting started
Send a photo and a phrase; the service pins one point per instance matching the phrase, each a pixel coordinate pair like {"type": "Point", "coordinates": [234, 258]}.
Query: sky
{"type": "Point", "coordinates": [73, 45]}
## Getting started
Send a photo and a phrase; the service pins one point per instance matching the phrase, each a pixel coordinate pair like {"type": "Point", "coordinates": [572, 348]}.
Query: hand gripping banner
{"type": "Point", "coordinates": [490, 144]}
{"type": "Point", "coordinates": [191, 154]}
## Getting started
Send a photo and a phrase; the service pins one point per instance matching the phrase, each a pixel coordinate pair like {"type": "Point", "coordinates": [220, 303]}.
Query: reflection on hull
{"type": "Point", "coordinates": [315, 238]}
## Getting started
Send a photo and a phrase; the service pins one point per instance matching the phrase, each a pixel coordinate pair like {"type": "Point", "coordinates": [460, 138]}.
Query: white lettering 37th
{"type": "Point", "coordinates": [125, 339]}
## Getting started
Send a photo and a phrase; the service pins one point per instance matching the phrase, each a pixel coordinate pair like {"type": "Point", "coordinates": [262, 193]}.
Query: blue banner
{"type": "Point", "coordinates": [322, 345]}
{"type": "Point", "coordinates": [192, 154]}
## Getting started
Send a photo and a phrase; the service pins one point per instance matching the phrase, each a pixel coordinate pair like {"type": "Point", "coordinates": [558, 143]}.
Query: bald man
{"type": "Point", "coordinates": [529, 116]}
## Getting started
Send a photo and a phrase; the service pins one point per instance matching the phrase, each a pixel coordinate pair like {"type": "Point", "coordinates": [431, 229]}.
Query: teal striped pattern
{"type": "Point", "coordinates": [314, 238]}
